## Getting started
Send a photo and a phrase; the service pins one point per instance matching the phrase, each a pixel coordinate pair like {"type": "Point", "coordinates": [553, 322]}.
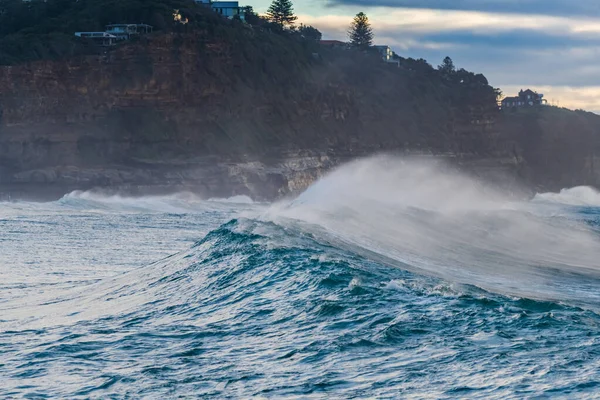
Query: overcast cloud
{"type": "Point", "coordinates": [552, 46]}
{"type": "Point", "coordinates": [541, 7]}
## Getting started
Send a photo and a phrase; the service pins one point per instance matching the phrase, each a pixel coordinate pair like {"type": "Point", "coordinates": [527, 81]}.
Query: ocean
{"type": "Point", "coordinates": [387, 278]}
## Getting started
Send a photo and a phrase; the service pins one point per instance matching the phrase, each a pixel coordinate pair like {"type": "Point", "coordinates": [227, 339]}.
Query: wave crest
{"type": "Point", "coordinates": [425, 216]}
{"type": "Point", "coordinates": [577, 196]}
{"type": "Point", "coordinates": [176, 203]}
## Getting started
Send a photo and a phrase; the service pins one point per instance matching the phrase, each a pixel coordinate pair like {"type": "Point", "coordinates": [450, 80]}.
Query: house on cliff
{"type": "Point", "coordinates": [385, 52]}
{"type": "Point", "coordinates": [116, 32]}
{"type": "Point", "coordinates": [100, 38]}
{"type": "Point", "coordinates": [227, 9]}
{"type": "Point", "coordinates": [525, 98]}
{"type": "Point", "coordinates": [126, 31]}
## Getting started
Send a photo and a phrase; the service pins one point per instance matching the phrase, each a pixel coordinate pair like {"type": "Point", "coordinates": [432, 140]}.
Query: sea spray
{"type": "Point", "coordinates": [336, 294]}
{"type": "Point", "coordinates": [435, 220]}
{"type": "Point", "coordinates": [584, 196]}
{"type": "Point", "coordinates": [181, 202]}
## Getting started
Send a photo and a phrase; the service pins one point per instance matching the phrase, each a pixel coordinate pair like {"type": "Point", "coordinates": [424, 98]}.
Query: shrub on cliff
{"type": "Point", "coordinates": [310, 33]}
{"type": "Point", "coordinates": [252, 17]}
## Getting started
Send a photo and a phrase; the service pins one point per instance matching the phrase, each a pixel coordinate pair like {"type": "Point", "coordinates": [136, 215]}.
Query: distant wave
{"type": "Point", "coordinates": [577, 196]}
{"type": "Point", "coordinates": [172, 203]}
{"type": "Point", "coordinates": [241, 199]}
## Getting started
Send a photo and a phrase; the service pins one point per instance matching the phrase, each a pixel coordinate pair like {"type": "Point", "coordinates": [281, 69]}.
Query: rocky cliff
{"type": "Point", "coordinates": [243, 111]}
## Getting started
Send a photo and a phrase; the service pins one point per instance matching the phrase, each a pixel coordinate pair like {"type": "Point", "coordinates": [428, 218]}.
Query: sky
{"type": "Point", "coordinates": [550, 46]}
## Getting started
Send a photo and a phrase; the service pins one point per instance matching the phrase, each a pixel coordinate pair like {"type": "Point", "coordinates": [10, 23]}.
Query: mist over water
{"type": "Point", "coordinates": [431, 219]}
{"type": "Point", "coordinates": [387, 278]}
{"type": "Point", "coordinates": [583, 196]}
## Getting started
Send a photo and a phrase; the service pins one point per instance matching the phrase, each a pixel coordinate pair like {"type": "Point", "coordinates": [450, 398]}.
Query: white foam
{"type": "Point", "coordinates": [425, 216]}
{"type": "Point", "coordinates": [182, 202]}
{"type": "Point", "coordinates": [240, 199]}
{"type": "Point", "coordinates": [577, 196]}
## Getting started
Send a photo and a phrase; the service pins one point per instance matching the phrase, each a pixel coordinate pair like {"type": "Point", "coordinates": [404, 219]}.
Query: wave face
{"type": "Point", "coordinates": [579, 196]}
{"type": "Point", "coordinates": [388, 278]}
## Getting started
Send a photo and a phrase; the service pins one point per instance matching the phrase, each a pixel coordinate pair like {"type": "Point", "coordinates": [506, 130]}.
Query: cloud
{"type": "Point", "coordinates": [525, 40]}
{"type": "Point", "coordinates": [538, 7]}
{"type": "Point", "coordinates": [513, 51]}
{"type": "Point", "coordinates": [552, 46]}
{"type": "Point", "coordinates": [426, 21]}
{"type": "Point", "coordinates": [587, 98]}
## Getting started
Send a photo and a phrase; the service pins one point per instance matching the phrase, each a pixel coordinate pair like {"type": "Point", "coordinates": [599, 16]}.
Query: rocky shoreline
{"type": "Point", "coordinates": [257, 180]}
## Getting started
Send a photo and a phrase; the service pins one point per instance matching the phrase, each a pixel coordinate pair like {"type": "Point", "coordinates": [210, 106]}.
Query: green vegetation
{"type": "Point", "coordinates": [251, 16]}
{"type": "Point", "coordinates": [361, 33]}
{"type": "Point", "coordinates": [67, 16]}
{"type": "Point", "coordinates": [44, 29]}
{"type": "Point", "coordinates": [41, 29]}
{"type": "Point", "coordinates": [447, 67]}
{"type": "Point", "coordinates": [310, 33]}
{"type": "Point", "coordinates": [281, 12]}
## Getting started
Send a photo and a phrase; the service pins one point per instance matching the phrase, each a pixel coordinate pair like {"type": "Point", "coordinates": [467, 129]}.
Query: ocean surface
{"type": "Point", "coordinates": [387, 278]}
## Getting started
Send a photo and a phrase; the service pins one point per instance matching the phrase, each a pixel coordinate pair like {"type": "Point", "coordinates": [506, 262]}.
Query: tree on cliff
{"type": "Point", "coordinates": [251, 16]}
{"type": "Point", "coordinates": [281, 12]}
{"type": "Point", "coordinates": [447, 67]}
{"type": "Point", "coordinates": [360, 33]}
{"type": "Point", "coordinates": [310, 32]}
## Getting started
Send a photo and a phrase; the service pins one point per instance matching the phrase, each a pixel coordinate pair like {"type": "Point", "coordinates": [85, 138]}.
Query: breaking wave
{"type": "Point", "coordinates": [173, 203]}
{"type": "Point", "coordinates": [584, 196]}
{"type": "Point", "coordinates": [428, 218]}
{"type": "Point", "coordinates": [442, 285]}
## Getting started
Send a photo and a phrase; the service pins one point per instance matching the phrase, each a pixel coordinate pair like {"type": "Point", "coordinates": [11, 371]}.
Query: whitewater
{"type": "Point", "coordinates": [387, 278]}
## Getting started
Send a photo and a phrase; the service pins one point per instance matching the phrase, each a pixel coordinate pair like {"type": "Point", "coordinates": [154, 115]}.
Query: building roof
{"type": "Point", "coordinates": [527, 91]}
{"type": "Point", "coordinates": [95, 35]}
{"type": "Point", "coordinates": [331, 42]}
{"type": "Point", "coordinates": [510, 99]}
{"type": "Point", "coordinates": [125, 25]}
{"type": "Point", "coordinates": [225, 4]}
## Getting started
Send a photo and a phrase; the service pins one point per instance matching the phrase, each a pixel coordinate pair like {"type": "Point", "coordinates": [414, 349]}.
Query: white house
{"type": "Point", "coordinates": [228, 9]}
{"type": "Point", "coordinates": [125, 31]}
{"type": "Point", "coordinates": [385, 52]}
{"type": "Point", "coordinates": [101, 38]}
{"type": "Point", "coordinates": [115, 33]}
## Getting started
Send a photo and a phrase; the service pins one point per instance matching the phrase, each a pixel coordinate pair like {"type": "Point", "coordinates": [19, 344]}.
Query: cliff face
{"type": "Point", "coordinates": [245, 112]}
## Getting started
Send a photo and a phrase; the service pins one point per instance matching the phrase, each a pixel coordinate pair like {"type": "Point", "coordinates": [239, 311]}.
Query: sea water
{"type": "Point", "coordinates": [386, 279]}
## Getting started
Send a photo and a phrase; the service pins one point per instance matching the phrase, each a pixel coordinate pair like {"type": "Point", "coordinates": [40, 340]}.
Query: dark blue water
{"type": "Point", "coordinates": [263, 303]}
